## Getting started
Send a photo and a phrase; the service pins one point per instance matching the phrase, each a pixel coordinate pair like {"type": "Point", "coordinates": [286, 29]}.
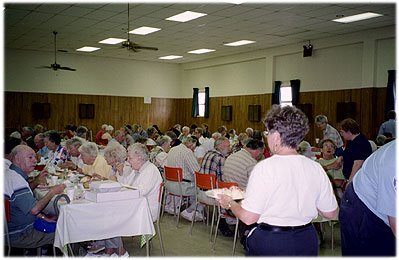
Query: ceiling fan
{"type": "Point", "coordinates": [131, 45]}
{"type": "Point", "coordinates": [55, 65]}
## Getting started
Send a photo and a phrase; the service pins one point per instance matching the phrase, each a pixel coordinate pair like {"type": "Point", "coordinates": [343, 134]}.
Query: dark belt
{"type": "Point", "coordinates": [268, 227]}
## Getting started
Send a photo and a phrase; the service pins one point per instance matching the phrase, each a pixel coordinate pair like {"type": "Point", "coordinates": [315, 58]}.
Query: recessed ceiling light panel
{"type": "Point", "coordinates": [112, 41]}
{"type": "Point", "coordinates": [185, 16]}
{"type": "Point", "coordinates": [88, 49]}
{"type": "Point", "coordinates": [144, 30]}
{"type": "Point", "coordinates": [239, 43]}
{"type": "Point", "coordinates": [201, 51]}
{"type": "Point", "coordinates": [170, 57]}
{"type": "Point", "coordinates": [357, 17]}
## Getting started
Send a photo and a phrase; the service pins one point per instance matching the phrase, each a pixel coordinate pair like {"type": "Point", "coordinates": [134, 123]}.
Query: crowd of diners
{"type": "Point", "coordinates": [287, 182]}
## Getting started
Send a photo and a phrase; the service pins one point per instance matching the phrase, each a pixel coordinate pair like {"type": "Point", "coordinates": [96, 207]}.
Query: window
{"type": "Point", "coordinates": [201, 103]}
{"type": "Point", "coordinates": [286, 95]}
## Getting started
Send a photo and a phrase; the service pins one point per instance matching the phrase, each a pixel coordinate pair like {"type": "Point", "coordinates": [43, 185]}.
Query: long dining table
{"type": "Point", "coordinates": [83, 220]}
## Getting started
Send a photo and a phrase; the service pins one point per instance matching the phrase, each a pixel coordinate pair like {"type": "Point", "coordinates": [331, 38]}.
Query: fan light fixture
{"type": "Point", "coordinates": [357, 17]}
{"type": "Point", "coordinates": [185, 16]}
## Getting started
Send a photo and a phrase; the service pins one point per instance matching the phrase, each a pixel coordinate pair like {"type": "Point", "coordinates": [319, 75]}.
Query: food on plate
{"type": "Point", "coordinates": [85, 179]}
{"type": "Point", "coordinates": [234, 192]}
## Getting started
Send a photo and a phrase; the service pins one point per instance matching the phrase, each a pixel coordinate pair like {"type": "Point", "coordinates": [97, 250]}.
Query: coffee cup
{"type": "Point", "coordinates": [54, 180]}
{"type": "Point", "coordinates": [71, 193]}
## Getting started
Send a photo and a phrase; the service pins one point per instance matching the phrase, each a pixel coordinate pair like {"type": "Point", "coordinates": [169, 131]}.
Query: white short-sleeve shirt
{"type": "Point", "coordinates": [288, 190]}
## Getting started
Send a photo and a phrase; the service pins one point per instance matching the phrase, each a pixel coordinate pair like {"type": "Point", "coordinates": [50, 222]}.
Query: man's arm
{"type": "Point", "coordinates": [41, 204]}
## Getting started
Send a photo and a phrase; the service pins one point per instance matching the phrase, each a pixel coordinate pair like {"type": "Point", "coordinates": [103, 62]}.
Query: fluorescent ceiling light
{"type": "Point", "coordinates": [112, 41]}
{"type": "Point", "coordinates": [201, 51]}
{"type": "Point", "coordinates": [170, 57]}
{"type": "Point", "coordinates": [185, 16]}
{"type": "Point", "coordinates": [357, 17]}
{"type": "Point", "coordinates": [144, 30]}
{"type": "Point", "coordinates": [239, 43]}
{"type": "Point", "coordinates": [88, 49]}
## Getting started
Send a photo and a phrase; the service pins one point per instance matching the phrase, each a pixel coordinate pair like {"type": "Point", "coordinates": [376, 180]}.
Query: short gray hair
{"type": "Point", "coordinates": [321, 119]}
{"type": "Point", "coordinates": [116, 151]}
{"type": "Point", "coordinates": [163, 139]}
{"type": "Point", "coordinates": [139, 150]}
{"type": "Point", "coordinates": [190, 140]}
{"type": "Point", "coordinates": [74, 142]}
{"type": "Point", "coordinates": [219, 141]}
{"type": "Point", "coordinates": [89, 148]}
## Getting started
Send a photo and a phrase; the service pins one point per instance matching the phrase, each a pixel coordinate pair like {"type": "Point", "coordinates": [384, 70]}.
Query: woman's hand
{"type": "Point", "coordinates": [224, 201]}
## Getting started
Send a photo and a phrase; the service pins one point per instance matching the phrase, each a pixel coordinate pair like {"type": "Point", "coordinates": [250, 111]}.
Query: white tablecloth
{"type": "Point", "coordinates": [84, 221]}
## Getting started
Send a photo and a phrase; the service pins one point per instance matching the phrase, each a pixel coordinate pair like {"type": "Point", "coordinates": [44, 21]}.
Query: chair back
{"type": "Point", "coordinates": [160, 197]}
{"type": "Point", "coordinates": [205, 181]}
{"type": "Point", "coordinates": [225, 184]}
{"type": "Point", "coordinates": [173, 174]}
{"type": "Point", "coordinates": [7, 209]}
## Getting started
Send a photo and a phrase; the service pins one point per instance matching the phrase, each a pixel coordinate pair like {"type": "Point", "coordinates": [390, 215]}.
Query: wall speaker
{"type": "Point", "coordinates": [346, 110]}
{"type": "Point", "coordinates": [41, 110]}
{"type": "Point", "coordinates": [86, 111]}
{"type": "Point", "coordinates": [227, 113]}
{"type": "Point", "coordinates": [254, 113]}
{"type": "Point", "coordinates": [307, 50]}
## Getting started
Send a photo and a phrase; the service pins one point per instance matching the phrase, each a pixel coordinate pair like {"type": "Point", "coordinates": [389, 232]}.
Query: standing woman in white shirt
{"type": "Point", "coordinates": [285, 192]}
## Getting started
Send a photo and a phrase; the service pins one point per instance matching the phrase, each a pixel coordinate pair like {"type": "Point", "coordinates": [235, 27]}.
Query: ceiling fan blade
{"type": "Point", "coordinates": [67, 68]}
{"type": "Point", "coordinates": [44, 67]}
{"type": "Point", "coordinates": [145, 48]}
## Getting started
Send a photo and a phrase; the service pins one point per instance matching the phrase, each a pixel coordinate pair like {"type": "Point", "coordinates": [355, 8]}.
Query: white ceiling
{"type": "Point", "coordinates": [29, 26]}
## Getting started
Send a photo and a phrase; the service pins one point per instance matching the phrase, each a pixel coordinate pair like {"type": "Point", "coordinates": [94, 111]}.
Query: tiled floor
{"type": "Point", "coordinates": [179, 242]}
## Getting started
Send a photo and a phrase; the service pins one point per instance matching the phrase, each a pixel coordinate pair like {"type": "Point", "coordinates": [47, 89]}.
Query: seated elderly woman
{"type": "Point", "coordinates": [115, 154]}
{"type": "Point", "coordinates": [95, 164]}
{"type": "Point", "coordinates": [159, 154]}
{"type": "Point", "coordinates": [74, 161]}
{"type": "Point", "coordinates": [330, 162]}
{"type": "Point", "coordinates": [145, 176]}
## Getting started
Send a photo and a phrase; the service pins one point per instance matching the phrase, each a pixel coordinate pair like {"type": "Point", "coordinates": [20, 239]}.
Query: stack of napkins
{"type": "Point", "coordinates": [102, 191]}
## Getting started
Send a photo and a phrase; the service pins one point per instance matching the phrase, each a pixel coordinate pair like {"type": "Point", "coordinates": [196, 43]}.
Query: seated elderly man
{"type": "Point", "coordinates": [24, 207]}
{"type": "Point", "coordinates": [42, 148]}
{"type": "Point", "coordinates": [182, 156]}
{"type": "Point", "coordinates": [95, 164]}
{"type": "Point", "coordinates": [57, 153]}
{"type": "Point", "coordinates": [238, 166]}
{"type": "Point", "coordinates": [213, 161]}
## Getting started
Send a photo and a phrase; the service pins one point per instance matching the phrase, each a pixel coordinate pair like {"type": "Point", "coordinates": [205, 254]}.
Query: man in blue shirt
{"type": "Point", "coordinates": [24, 208]}
{"type": "Point", "coordinates": [389, 126]}
{"type": "Point", "coordinates": [367, 214]}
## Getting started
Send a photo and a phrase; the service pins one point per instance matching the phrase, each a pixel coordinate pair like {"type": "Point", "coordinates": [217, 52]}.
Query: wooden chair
{"type": "Point", "coordinates": [204, 182]}
{"type": "Point", "coordinates": [174, 174]}
{"type": "Point", "coordinates": [226, 214]}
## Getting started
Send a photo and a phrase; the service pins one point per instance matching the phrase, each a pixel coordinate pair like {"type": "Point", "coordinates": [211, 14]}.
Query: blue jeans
{"type": "Point", "coordinates": [362, 232]}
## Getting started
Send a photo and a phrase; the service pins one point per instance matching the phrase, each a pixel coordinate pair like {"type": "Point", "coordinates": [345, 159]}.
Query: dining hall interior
{"type": "Point", "coordinates": [58, 71]}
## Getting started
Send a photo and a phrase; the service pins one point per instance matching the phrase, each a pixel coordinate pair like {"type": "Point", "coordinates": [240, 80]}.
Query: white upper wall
{"type": "Point", "coordinates": [94, 75]}
{"type": "Point", "coordinates": [356, 60]}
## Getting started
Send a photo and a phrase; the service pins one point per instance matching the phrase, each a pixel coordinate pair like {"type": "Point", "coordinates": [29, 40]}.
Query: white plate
{"type": "Point", "coordinates": [214, 194]}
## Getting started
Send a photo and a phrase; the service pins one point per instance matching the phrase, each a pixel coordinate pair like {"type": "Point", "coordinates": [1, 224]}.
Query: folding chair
{"type": "Point", "coordinates": [175, 175]}
{"type": "Point", "coordinates": [157, 222]}
{"type": "Point", "coordinates": [226, 214]}
{"type": "Point", "coordinates": [204, 182]}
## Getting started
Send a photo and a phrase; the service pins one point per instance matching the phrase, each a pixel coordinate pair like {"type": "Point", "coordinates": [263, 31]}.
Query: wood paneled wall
{"type": "Point", "coordinates": [165, 112]}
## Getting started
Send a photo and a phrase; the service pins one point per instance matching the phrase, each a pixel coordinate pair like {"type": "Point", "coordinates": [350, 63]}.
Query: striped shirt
{"type": "Point", "coordinates": [238, 167]}
{"type": "Point", "coordinates": [332, 133]}
{"type": "Point", "coordinates": [17, 190]}
{"type": "Point", "coordinates": [212, 164]}
{"type": "Point", "coordinates": [182, 157]}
